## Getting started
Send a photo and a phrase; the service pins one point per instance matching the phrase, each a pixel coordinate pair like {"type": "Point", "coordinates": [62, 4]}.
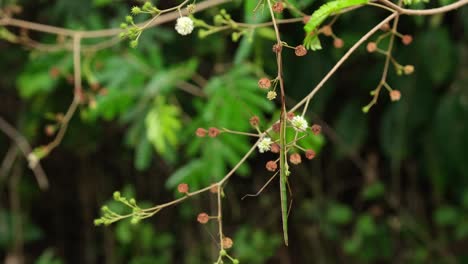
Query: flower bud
{"type": "Point", "coordinates": [203, 218]}
{"type": "Point", "coordinates": [295, 158]}
{"type": "Point", "coordinates": [300, 51]}
{"type": "Point", "coordinates": [183, 188]}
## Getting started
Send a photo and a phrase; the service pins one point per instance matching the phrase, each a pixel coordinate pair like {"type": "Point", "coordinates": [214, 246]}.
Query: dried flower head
{"type": "Point", "coordinates": [271, 95]}
{"type": "Point", "coordinates": [183, 188]}
{"type": "Point", "coordinates": [278, 7]}
{"type": "Point", "coordinates": [203, 218]}
{"type": "Point", "coordinates": [310, 154]}
{"type": "Point", "coordinates": [290, 115]}
{"type": "Point", "coordinates": [213, 132]}
{"type": "Point", "coordinates": [385, 27]}
{"type": "Point", "coordinates": [276, 127]}
{"type": "Point", "coordinates": [277, 48]}
{"type": "Point", "coordinates": [407, 39]}
{"type": "Point", "coordinates": [299, 123]}
{"type": "Point", "coordinates": [50, 130]}
{"type": "Point", "coordinates": [227, 242]}
{"type": "Point", "coordinates": [316, 129]}
{"type": "Point", "coordinates": [305, 19]}
{"type": "Point", "coordinates": [264, 83]}
{"type": "Point", "coordinates": [264, 144]}
{"type": "Point", "coordinates": [300, 51]}
{"type": "Point", "coordinates": [254, 121]}
{"type": "Point", "coordinates": [271, 165]}
{"type": "Point", "coordinates": [338, 43]}
{"type": "Point", "coordinates": [395, 95]}
{"type": "Point", "coordinates": [184, 25]}
{"type": "Point", "coordinates": [295, 158]}
{"type": "Point", "coordinates": [371, 47]}
{"type": "Point", "coordinates": [327, 30]}
{"type": "Point", "coordinates": [54, 72]}
{"type": "Point", "coordinates": [408, 69]}
{"type": "Point", "coordinates": [275, 148]}
{"type": "Point", "coordinates": [200, 132]}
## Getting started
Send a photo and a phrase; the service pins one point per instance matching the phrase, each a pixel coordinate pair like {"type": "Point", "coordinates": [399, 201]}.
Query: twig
{"type": "Point", "coordinates": [25, 149]}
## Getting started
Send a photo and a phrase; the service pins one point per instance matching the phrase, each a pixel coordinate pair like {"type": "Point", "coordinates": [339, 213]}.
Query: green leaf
{"type": "Point", "coordinates": [163, 125]}
{"type": "Point", "coordinates": [373, 191]}
{"type": "Point", "coordinates": [438, 66]}
{"type": "Point", "coordinates": [339, 214]}
{"type": "Point", "coordinates": [365, 225]}
{"type": "Point", "coordinates": [446, 216]}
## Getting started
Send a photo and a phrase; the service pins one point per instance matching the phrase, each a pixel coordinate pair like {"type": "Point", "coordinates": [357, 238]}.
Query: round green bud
{"type": "Point", "coordinates": [136, 10]}
{"type": "Point", "coordinates": [235, 261]}
{"type": "Point", "coordinates": [133, 43]}
{"type": "Point", "coordinates": [129, 19]}
{"type": "Point", "coordinates": [116, 195]}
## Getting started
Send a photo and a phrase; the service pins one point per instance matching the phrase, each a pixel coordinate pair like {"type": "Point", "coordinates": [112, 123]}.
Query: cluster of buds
{"type": "Point", "coordinates": [211, 132]}
{"type": "Point", "coordinates": [265, 84]}
{"type": "Point", "coordinates": [328, 31]}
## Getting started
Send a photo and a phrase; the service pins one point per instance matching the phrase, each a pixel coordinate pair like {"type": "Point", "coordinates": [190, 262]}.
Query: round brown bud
{"type": "Point", "coordinates": [227, 242]}
{"type": "Point", "coordinates": [290, 115]}
{"type": "Point", "coordinates": [310, 154]}
{"type": "Point", "coordinates": [327, 30]}
{"type": "Point", "coordinates": [278, 7]}
{"type": "Point", "coordinates": [295, 158]}
{"type": "Point", "coordinates": [338, 43]}
{"type": "Point", "coordinates": [201, 132]}
{"type": "Point", "coordinates": [385, 27]}
{"type": "Point", "coordinates": [276, 127]}
{"type": "Point", "coordinates": [408, 69]}
{"type": "Point", "coordinates": [305, 19]}
{"type": "Point", "coordinates": [103, 91]}
{"type": "Point", "coordinates": [254, 121]}
{"type": "Point", "coordinates": [50, 130]}
{"type": "Point", "coordinates": [316, 129]}
{"type": "Point", "coordinates": [271, 165]}
{"type": "Point", "coordinates": [300, 51]}
{"type": "Point", "coordinates": [407, 39]}
{"type": "Point", "coordinates": [95, 86]}
{"type": "Point", "coordinates": [395, 95]}
{"type": "Point", "coordinates": [183, 188]}
{"type": "Point", "coordinates": [275, 148]}
{"type": "Point", "coordinates": [264, 83]}
{"type": "Point", "coordinates": [203, 218]}
{"type": "Point", "coordinates": [371, 47]}
{"type": "Point", "coordinates": [277, 48]}
{"type": "Point", "coordinates": [54, 72]}
{"type": "Point", "coordinates": [213, 132]}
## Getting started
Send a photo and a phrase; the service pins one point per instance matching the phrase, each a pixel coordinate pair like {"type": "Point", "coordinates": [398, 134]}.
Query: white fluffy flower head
{"type": "Point", "coordinates": [264, 144]}
{"type": "Point", "coordinates": [184, 25]}
{"type": "Point", "coordinates": [299, 123]}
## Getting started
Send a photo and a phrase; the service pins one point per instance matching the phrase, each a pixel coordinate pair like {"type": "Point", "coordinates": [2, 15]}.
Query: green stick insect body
{"type": "Point", "coordinates": [284, 172]}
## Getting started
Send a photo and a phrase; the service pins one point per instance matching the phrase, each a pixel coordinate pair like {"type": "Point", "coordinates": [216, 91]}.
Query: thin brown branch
{"type": "Point", "coordinates": [342, 61]}
{"type": "Point", "coordinates": [26, 150]}
{"type": "Point", "coordinates": [7, 21]}
{"type": "Point", "coordinates": [426, 12]}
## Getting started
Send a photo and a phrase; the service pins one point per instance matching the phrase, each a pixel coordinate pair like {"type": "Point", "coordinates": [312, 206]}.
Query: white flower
{"type": "Point", "coordinates": [184, 25]}
{"type": "Point", "coordinates": [271, 95]}
{"type": "Point", "coordinates": [264, 144]}
{"type": "Point", "coordinates": [32, 160]}
{"type": "Point", "coordinates": [299, 123]}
